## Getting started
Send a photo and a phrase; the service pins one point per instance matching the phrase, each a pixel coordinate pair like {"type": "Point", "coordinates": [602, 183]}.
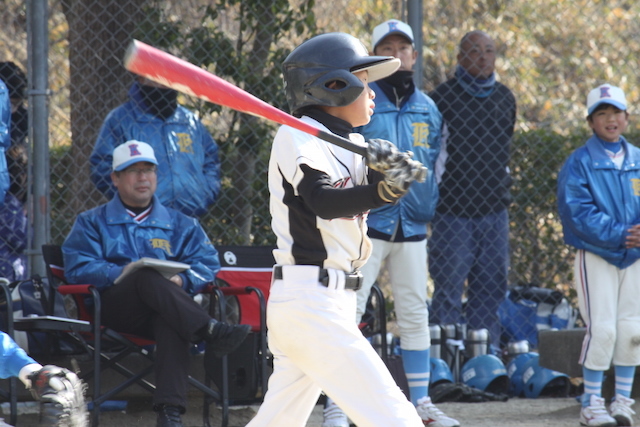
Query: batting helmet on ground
{"type": "Point", "coordinates": [539, 381]}
{"type": "Point", "coordinates": [486, 372]}
{"type": "Point", "coordinates": [515, 369]}
{"type": "Point", "coordinates": [440, 372]}
{"type": "Point", "coordinates": [313, 66]}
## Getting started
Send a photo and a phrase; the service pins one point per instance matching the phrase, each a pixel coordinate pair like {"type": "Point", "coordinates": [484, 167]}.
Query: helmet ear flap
{"type": "Point", "coordinates": [309, 68]}
{"type": "Point", "coordinates": [336, 88]}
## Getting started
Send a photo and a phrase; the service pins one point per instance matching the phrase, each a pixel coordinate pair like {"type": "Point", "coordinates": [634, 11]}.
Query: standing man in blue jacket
{"type": "Point", "coordinates": [105, 240]}
{"type": "Point", "coordinates": [410, 119]}
{"type": "Point", "coordinates": [189, 168]}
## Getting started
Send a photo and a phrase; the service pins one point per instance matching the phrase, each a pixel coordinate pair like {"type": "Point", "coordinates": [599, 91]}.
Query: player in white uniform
{"type": "Point", "coordinates": [599, 204]}
{"type": "Point", "coordinates": [320, 196]}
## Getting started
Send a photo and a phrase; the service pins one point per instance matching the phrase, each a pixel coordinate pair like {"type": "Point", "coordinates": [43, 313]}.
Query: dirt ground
{"type": "Point", "coordinates": [516, 412]}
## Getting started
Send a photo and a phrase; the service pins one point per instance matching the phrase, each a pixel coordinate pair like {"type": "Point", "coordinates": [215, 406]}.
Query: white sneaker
{"type": "Point", "coordinates": [596, 414]}
{"type": "Point", "coordinates": [432, 416]}
{"type": "Point", "coordinates": [333, 415]}
{"type": "Point", "coordinates": [621, 410]}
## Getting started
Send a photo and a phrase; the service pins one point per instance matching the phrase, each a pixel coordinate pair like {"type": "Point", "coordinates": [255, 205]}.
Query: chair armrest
{"type": "Point", "coordinates": [237, 291]}
{"type": "Point", "coordinates": [75, 289]}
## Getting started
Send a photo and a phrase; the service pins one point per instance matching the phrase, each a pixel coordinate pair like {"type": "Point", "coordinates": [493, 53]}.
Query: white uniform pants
{"type": "Point", "coordinates": [407, 266]}
{"type": "Point", "coordinates": [317, 346]}
{"type": "Point", "coordinates": [608, 301]}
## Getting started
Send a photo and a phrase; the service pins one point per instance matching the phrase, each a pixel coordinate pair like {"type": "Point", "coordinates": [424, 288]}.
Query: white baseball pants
{"type": "Point", "coordinates": [407, 266]}
{"type": "Point", "coordinates": [608, 301]}
{"type": "Point", "coordinates": [317, 346]}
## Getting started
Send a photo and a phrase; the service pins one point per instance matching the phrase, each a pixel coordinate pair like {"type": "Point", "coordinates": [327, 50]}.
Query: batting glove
{"type": "Point", "coordinates": [61, 396]}
{"type": "Point", "coordinates": [398, 178]}
{"type": "Point", "coordinates": [382, 154]}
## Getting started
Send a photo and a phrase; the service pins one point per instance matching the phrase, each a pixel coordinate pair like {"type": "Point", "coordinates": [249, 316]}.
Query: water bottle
{"type": "Point", "coordinates": [477, 342]}
{"type": "Point", "coordinates": [436, 341]}
{"type": "Point", "coordinates": [518, 347]}
{"type": "Point", "coordinates": [448, 350]}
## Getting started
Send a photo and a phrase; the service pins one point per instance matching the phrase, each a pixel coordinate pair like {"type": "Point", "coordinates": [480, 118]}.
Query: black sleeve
{"type": "Point", "coordinates": [328, 202]}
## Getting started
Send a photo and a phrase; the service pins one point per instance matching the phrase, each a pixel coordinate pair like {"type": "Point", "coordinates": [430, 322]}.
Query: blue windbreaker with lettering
{"type": "Point", "coordinates": [188, 163]}
{"type": "Point", "coordinates": [105, 239]}
{"type": "Point", "coordinates": [416, 127]}
{"type": "Point", "coordinates": [598, 202]}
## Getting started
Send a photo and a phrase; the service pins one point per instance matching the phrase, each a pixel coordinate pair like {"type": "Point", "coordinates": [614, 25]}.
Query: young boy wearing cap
{"type": "Point", "coordinates": [398, 232]}
{"type": "Point", "coordinates": [599, 205]}
{"type": "Point", "coordinates": [105, 240]}
{"type": "Point", "coordinates": [320, 196]}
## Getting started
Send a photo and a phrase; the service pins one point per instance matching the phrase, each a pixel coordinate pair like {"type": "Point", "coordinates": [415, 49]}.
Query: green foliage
{"type": "Point", "coordinates": [539, 254]}
{"type": "Point", "coordinates": [243, 42]}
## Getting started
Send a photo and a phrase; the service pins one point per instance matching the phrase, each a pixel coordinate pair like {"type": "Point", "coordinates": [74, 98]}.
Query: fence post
{"type": "Point", "coordinates": [38, 32]}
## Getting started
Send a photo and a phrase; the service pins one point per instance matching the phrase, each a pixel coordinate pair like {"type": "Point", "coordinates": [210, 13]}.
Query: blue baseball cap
{"type": "Point", "coordinates": [392, 26]}
{"type": "Point", "coordinates": [606, 94]}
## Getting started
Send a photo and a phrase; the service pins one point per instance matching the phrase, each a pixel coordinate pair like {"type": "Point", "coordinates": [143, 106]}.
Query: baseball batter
{"type": "Point", "coordinates": [599, 204]}
{"type": "Point", "coordinates": [320, 196]}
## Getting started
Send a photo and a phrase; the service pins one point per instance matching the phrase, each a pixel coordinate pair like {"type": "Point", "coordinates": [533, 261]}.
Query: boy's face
{"type": "Point", "coordinates": [399, 47]}
{"type": "Point", "coordinates": [609, 123]}
{"type": "Point", "coordinates": [359, 112]}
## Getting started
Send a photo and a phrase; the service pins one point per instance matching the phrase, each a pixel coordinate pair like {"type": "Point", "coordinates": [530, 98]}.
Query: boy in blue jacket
{"type": "Point", "coordinates": [599, 204]}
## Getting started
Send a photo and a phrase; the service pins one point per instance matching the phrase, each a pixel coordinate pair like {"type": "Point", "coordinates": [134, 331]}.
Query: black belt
{"type": "Point", "coordinates": [351, 280]}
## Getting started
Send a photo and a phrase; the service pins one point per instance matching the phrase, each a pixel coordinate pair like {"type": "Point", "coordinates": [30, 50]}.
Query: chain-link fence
{"type": "Point", "coordinates": [550, 54]}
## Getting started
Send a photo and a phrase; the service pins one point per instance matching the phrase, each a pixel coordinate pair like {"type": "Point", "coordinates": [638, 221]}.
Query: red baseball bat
{"type": "Point", "coordinates": [164, 68]}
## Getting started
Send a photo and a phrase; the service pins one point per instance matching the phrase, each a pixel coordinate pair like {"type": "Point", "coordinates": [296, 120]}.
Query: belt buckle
{"type": "Point", "coordinates": [357, 276]}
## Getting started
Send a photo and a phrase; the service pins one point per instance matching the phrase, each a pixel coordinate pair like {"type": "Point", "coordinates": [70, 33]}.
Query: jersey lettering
{"type": "Point", "coordinates": [185, 143]}
{"type": "Point", "coordinates": [342, 183]}
{"type": "Point", "coordinates": [420, 134]}
{"type": "Point", "coordinates": [635, 185]}
{"type": "Point", "coordinates": [161, 244]}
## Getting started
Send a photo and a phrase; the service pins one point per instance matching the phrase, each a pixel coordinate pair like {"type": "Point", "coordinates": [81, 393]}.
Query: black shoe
{"type": "Point", "coordinates": [222, 338]}
{"type": "Point", "coordinates": [169, 416]}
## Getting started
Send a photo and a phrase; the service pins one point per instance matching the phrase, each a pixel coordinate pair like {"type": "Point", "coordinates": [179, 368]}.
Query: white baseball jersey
{"type": "Point", "coordinates": [315, 342]}
{"type": "Point", "coordinates": [304, 238]}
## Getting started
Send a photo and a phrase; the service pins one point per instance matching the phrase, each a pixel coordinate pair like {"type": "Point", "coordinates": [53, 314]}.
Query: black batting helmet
{"type": "Point", "coordinates": [332, 57]}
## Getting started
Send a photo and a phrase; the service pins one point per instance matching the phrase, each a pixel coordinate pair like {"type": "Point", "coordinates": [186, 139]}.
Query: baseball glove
{"type": "Point", "coordinates": [61, 396]}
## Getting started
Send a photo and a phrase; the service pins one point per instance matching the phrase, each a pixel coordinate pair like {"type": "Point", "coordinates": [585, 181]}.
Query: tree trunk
{"type": "Point", "coordinates": [99, 32]}
{"type": "Point", "coordinates": [245, 170]}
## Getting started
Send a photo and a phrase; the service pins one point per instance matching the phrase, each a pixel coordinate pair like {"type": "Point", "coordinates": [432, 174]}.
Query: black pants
{"type": "Point", "coordinates": [148, 305]}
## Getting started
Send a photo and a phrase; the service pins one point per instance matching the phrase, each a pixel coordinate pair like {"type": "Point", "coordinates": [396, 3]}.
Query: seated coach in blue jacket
{"type": "Point", "coordinates": [133, 225]}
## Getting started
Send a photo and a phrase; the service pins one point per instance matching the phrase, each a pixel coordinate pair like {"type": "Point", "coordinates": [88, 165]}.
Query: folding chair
{"type": "Point", "coordinates": [107, 348]}
{"type": "Point", "coordinates": [374, 321]}
{"type": "Point", "coordinates": [239, 296]}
